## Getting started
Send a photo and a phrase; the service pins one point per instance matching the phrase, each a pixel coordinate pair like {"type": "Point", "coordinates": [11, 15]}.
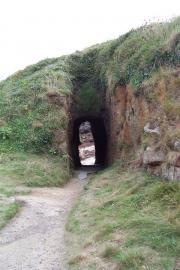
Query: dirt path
{"type": "Point", "coordinates": [35, 237]}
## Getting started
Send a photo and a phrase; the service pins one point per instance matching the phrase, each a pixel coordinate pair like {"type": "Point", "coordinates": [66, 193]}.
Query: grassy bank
{"type": "Point", "coordinates": [24, 169]}
{"type": "Point", "coordinates": [8, 206]}
{"type": "Point", "coordinates": [34, 170]}
{"type": "Point", "coordinates": [125, 220]}
{"type": "Point", "coordinates": [7, 211]}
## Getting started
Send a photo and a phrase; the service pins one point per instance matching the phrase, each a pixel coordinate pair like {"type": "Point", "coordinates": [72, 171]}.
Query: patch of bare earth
{"type": "Point", "coordinates": [34, 239]}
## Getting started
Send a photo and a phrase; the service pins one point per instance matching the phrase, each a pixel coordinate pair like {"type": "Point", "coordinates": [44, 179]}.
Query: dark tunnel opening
{"type": "Point", "coordinates": [99, 139]}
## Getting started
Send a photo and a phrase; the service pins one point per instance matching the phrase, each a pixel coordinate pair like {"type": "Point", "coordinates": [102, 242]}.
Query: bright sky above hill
{"type": "Point", "coordinates": [31, 30]}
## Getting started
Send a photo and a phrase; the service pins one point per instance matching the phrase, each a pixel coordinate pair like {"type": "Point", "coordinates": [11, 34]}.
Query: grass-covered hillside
{"type": "Point", "coordinates": [125, 220]}
{"type": "Point", "coordinates": [28, 120]}
{"type": "Point", "coordinates": [33, 109]}
{"type": "Point", "coordinates": [133, 57]}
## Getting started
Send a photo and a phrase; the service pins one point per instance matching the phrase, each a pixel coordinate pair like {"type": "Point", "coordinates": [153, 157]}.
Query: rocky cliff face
{"type": "Point", "coordinates": [146, 127]}
{"type": "Point", "coordinates": [127, 117]}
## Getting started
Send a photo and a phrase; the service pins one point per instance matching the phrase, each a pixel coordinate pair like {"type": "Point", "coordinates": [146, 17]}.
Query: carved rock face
{"type": "Point", "coordinates": [171, 172]}
{"type": "Point", "coordinates": [152, 157]}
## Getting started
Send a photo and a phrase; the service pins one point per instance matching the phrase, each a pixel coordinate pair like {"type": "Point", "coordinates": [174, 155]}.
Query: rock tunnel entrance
{"type": "Point", "coordinates": [99, 139]}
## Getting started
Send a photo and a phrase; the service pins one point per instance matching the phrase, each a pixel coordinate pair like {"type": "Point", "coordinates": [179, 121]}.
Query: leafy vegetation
{"type": "Point", "coordinates": [25, 113]}
{"type": "Point", "coordinates": [27, 122]}
{"type": "Point", "coordinates": [125, 220]}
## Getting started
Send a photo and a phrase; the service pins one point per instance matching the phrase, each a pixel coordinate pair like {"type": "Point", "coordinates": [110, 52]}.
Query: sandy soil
{"type": "Point", "coordinates": [34, 239]}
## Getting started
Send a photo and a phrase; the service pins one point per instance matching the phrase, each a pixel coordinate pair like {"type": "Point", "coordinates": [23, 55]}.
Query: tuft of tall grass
{"type": "Point", "coordinates": [135, 225]}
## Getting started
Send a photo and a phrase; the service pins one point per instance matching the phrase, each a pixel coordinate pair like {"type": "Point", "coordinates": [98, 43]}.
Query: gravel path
{"type": "Point", "coordinates": [34, 239]}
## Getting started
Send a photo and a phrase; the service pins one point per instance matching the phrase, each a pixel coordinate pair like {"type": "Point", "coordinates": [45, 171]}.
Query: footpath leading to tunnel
{"type": "Point", "coordinates": [35, 237]}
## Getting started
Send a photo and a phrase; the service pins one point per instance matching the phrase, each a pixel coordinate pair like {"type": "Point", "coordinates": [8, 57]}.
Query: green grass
{"type": "Point", "coordinates": [27, 117]}
{"type": "Point", "coordinates": [34, 170]}
{"type": "Point", "coordinates": [8, 208]}
{"type": "Point", "coordinates": [7, 212]}
{"type": "Point", "coordinates": [125, 220]}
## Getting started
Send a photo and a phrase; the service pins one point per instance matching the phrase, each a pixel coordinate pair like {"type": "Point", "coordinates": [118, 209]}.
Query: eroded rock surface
{"type": "Point", "coordinates": [152, 157]}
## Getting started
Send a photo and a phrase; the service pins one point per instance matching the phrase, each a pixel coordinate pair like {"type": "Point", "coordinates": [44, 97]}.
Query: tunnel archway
{"type": "Point", "coordinates": [100, 140]}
